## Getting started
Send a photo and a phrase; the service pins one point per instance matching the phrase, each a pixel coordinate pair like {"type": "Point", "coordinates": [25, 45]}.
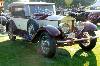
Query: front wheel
{"type": "Point", "coordinates": [47, 44]}
{"type": "Point", "coordinates": [88, 44]}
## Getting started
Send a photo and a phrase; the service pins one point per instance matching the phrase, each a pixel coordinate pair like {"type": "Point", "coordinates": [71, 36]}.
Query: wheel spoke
{"type": "Point", "coordinates": [31, 31]}
{"type": "Point", "coordinates": [87, 41]}
{"type": "Point", "coordinates": [45, 44]}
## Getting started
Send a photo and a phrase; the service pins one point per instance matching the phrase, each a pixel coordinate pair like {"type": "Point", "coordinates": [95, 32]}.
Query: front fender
{"type": "Point", "coordinates": [51, 30]}
{"type": "Point", "coordinates": [89, 26]}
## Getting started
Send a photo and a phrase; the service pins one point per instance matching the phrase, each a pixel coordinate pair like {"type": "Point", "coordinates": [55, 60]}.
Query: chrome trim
{"type": "Point", "coordinates": [78, 39]}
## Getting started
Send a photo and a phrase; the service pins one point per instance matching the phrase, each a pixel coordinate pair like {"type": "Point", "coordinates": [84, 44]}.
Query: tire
{"type": "Point", "coordinates": [89, 46]}
{"type": "Point", "coordinates": [32, 28]}
{"type": "Point", "coordinates": [10, 34]}
{"type": "Point", "coordinates": [92, 17]}
{"type": "Point", "coordinates": [47, 44]}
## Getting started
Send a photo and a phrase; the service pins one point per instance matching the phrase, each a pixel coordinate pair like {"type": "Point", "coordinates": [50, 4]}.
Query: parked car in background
{"type": "Point", "coordinates": [79, 15]}
{"type": "Point", "coordinates": [90, 15]}
{"type": "Point", "coordinates": [37, 21]}
{"type": "Point", "coordinates": [3, 18]}
{"type": "Point", "coordinates": [2, 29]}
{"type": "Point", "coordinates": [93, 16]}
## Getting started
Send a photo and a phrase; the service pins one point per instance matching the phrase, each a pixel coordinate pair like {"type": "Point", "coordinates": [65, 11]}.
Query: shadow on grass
{"type": "Point", "coordinates": [63, 58]}
{"type": "Point", "coordinates": [83, 58]}
{"type": "Point", "coordinates": [24, 53]}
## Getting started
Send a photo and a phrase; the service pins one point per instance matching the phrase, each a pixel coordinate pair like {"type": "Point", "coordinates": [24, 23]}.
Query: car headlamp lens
{"type": "Point", "coordinates": [64, 27]}
{"type": "Point", "coordinates": [80, 26]}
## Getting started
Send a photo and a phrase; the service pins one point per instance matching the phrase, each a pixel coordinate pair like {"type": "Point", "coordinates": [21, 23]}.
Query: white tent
{"type": "Point", "coordinates": [97, 4]}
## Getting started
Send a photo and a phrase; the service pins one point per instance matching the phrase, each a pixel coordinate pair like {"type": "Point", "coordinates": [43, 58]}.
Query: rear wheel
{"type": "Point", "coordinates": [90, 44]}
{"type": "Point", "coordinates": [47, 44]}
{"type": "Point", "coordinates": [10, 34]}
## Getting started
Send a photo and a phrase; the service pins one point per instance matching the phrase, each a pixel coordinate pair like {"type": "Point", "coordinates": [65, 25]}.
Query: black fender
{"type": "Point", "coordinates": [35, 24]}
{"type": "Point", "coordinates": [12, 24]}
{"type": "Point", "coordinates": [50, 29]}
{"type": "Point", "coordinates": [89, 27]}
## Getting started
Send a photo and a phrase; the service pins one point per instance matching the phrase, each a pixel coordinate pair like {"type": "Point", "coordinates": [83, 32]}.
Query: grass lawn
{"type": "Point", "coordinates": [24, 53]}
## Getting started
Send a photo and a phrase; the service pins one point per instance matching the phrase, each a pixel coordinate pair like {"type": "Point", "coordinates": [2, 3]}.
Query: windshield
{"type": "Point", "coordinates": [41, 9]}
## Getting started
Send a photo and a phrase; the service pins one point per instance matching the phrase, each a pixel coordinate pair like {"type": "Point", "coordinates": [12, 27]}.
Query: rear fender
{"type": "Point", "coordinates": [89, 27]}
{"type": "Point", "coordinates": [13, 26]}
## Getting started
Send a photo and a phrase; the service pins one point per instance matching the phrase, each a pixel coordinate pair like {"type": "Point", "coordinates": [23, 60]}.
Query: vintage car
{"type": "Point", "coordinates": [37, 21]}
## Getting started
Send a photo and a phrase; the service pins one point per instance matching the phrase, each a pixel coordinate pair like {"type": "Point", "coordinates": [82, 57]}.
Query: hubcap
{"type": "Point", "coordinates": [87, 41]}
{"type": "Point", "coordinates": [31, 31]}
{"type": "Point", "coordinates": [45, 44]}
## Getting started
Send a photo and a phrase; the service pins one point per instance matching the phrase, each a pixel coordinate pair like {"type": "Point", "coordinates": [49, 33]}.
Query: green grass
{"type": "Point", "coordinates": [24, 53]}
{"type": "Point", "coordinates": [98, 26]}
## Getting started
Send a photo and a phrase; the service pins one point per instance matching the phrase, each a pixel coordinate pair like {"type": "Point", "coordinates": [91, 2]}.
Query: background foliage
{"type": "Point", "coordinates": [64, 3]}
{"type": "Point", "coordinates": [69, 3]}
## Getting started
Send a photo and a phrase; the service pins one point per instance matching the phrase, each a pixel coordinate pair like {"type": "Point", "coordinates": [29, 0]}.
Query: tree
{"type": "Point", "coordinates": [9, 1]}
{"type": "Point", "coordinates": [84, 3]}
{"type": "Point", "coordinates": [68, 2]}
{"type": "Point", "coordinates": [65, 3]}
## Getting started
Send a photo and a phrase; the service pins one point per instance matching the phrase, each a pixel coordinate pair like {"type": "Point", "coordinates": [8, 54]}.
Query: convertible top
{"type": "Point", "coordinates": [29, 3]}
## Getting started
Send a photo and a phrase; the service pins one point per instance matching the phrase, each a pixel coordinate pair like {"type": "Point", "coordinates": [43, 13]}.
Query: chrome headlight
{"type": "Point", "coordinates": [80, 26]}
{"type": "Point", "coordinates": [64, 27]}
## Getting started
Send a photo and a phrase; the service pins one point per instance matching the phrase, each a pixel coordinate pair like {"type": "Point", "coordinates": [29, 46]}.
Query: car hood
{"type": "Point", "coordinates": [55, 17]}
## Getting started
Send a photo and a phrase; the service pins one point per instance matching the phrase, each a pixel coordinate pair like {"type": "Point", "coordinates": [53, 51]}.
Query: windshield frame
{"type": "Point", "coordinates": [53, 9]}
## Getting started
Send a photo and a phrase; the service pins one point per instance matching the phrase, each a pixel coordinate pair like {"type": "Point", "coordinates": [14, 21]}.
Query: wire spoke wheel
{"type": "Point", "coordinates": [92, 17]}
{"type": "Point", "coordinates": [88, 44]}
{"type": "Point", "coordinates": [87, 41]}
{"type": "Point", "coordinates": [47, 44]}
{"type": "Point", "coordinates": [31, 31]}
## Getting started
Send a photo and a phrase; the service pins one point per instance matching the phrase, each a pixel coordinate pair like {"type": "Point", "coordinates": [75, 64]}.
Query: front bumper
{"type": "Point", "coordinates": [90, 38]}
